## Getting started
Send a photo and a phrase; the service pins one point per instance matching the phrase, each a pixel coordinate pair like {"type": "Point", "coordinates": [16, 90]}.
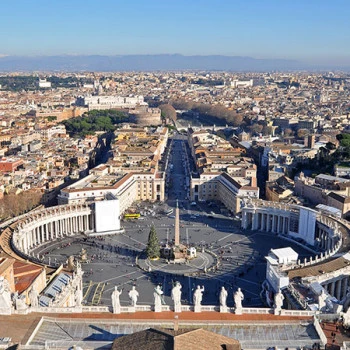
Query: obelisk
{"type": "Point", "coordinates": [177, 224]}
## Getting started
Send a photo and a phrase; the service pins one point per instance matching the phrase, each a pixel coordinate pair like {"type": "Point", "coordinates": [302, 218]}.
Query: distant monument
{"type": "Point", "coordinates": [177, 224]}
{"type": "Point", "coordinates": [238, 298]}
{"type": "Point", "coordinates": [176, 296]}
{"type": "Point", "coordinates": [178, 252]}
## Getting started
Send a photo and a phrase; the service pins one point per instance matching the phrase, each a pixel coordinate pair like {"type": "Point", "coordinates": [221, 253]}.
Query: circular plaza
{"type": "Point", "coordinates": [231, 257]}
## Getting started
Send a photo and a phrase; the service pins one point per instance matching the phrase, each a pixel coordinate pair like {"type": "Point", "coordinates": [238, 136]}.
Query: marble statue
{"type": "Point", "coordinates": [278, 302]}
{"type": "Point", "coordinates": [133, 296]}
{"type": "Point", "coordinates": [71, 262]}
{"type": "Point", "coordinates": [158, 299]}
{"type": "Point", "coordinates": [33, 297]}
{"type": "Point", "coordinates": [238, 298]}
{"type": "Point", "coordinates": [346, 319]}
{"type": "Point", "coordinates": [5, 296]}
{"type": "Point", "coordinates": [78, 295]}
{"type": "Point", "coordinates": [83, 255]}
{"type": "Point", "coordinates": [176, 296]}
{"type": "Point", "coordinates": [322, 300]}
{"type": "Point", "coordinates": [198, 296]}
{"type": "Point", "coordinates": [79, 270]}
{"type": "Point", "coordinates": [116, 300]}
{"type": "Point", "coordinates": [20, 303]}
{"type": "Point", "coordinates": [223, 296]}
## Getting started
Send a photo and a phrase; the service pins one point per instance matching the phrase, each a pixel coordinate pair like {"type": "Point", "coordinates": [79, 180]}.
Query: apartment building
{"type": "Point", "coordinates": [222, 173]}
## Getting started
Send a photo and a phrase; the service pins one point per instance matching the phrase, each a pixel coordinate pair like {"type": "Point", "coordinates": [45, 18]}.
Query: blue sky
{"type": "Point", "coordinates": [309, 30]}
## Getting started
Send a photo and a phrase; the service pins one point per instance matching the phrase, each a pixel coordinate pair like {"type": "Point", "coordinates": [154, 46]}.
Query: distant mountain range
{"type": "Point", "coordinates": [163, 62]}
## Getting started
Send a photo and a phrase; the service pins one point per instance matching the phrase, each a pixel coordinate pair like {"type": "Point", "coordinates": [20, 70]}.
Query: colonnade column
{"type": "Point", "coordinates": [283, 225]}
{"type": "Point", "coordinates": [345, 282]}
{"type": "Point", "coordinates": [262, 226]}
{"type": "Point", "coordinates": [255, 221]}
{"type": "Point", "coordinates": [274, 219]}
{"type": "Point", "coordinates": [244, 219]}
{"type": "Point", "coordinates": [338, 289]}
{"type": "Point", "coordinates": [268, 224]}
{"type": "Point", "coordinates": [332, 289]}
{"type": "Point", "coordinates": [279, 224]}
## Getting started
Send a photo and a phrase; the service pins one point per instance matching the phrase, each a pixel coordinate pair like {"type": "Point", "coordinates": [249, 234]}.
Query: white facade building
{"type": "Point", "coordinates": [109, 102]}
{"type": "Point", "coordinates": [43, 83]}
{"type": "Point", "coordinates": [107, 216]}
{"type": "Point", "coordinates": [277, 278]}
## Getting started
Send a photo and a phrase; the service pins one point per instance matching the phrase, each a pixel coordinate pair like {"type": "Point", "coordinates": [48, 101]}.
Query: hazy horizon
{"type": "Point", "coordinates": [310, 31]}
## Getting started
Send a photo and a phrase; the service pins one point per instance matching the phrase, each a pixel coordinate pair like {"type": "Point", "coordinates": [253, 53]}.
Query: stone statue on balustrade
{"type": "Point", "coordinates": [158, 299]}
{"type": "Point", "coordinates": [70, 262]}
{"type": "Point", "coordinates": [116, 300]}
{"type": "Point", "coordinates": [238, 298]}
{"type": "Point", "coordinates": [133, 296]}
{"type": "Point", "coordinates": [322, 300]}
{"type": "Point", "coordinates": [33, 297]}
{"type": "Point", "coordinates": [83, 255]}
{"type": "Point", "coordinates": [197, 299]}
{"type": "Point", "coordinates": [346, 319]}
{"type": "Point", "coordinates": [223, 299]}
{"type": "Point", "coordinates": [278, 302]}
{"type": "Point", "coordinates": [176, 296]}
{"type": "Point", "coordinates": [20, 302]}
{"type": "Point", "coordinates": [5, 297]}
{"type": "Point", "coordinates": [78, 297]}
{"type": "Point", "coordinates": [79, 270]}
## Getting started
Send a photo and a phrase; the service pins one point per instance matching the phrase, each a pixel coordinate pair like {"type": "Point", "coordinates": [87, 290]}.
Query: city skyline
{"type": "Point", "coordinates": [313, 32]}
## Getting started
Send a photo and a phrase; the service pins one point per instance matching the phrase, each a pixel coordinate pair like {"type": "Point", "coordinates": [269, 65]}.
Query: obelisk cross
{"type": "Point", "coordinates": [177, 224]}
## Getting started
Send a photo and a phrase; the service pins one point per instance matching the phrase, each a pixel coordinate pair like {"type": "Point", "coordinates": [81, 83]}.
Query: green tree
{"type": "Point", "coordinates": [153, 248]}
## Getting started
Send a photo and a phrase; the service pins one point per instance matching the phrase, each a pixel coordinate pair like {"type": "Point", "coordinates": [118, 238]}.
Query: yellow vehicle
{"type": "Point", "coordinates": [132, 216]}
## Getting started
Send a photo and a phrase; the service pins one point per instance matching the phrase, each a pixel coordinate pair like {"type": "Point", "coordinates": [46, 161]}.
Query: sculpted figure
{"type": "Point", "coordinates": [278, 301]}
{"type": "Point", "coordinates": [33, 297]}
{"type": "Point", "coordinates": [5, 293]}
{"type": "Point", "coordinates": [176, 296]}
{"type": "Point", "coordinates": [322, 300]}
{"type": "Point", "coordinates": [78, 297]}
{"type": "Point", "coordinates": [133, 295]}
{"type": "Point", "coordinates": [198, 296]}
{"type": "Point", "coordinates": [238, 298]}
{"type": "Point", "coordinates": [116, 300]}
{"type": "Point", "coordinates": [158, 298]}
{"type": "Point", "coordinates": [19, 302]}
{"type": "Point", "coordinates": [223, 297]}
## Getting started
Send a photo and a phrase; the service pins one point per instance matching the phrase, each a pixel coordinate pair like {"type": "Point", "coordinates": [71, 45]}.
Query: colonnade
{"type": "Point", "coordinates": [324, 237]}
{"type": "Point", "coordinates": [265, 220]}
{"type": "Point", "coordinates": [319, 231]}
{"type": "Point", "coordinates": [52, 223]}
{"type": "Point", "coordinates": [337, 287]}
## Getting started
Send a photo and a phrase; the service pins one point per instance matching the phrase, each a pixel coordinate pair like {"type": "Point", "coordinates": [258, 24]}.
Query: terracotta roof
{"type": "Point", "coordinates": [183, 339]}
{"type": "Point", "coordinates": [5, 263]}
{"type": "Point", "coordinates": [25, 274]}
